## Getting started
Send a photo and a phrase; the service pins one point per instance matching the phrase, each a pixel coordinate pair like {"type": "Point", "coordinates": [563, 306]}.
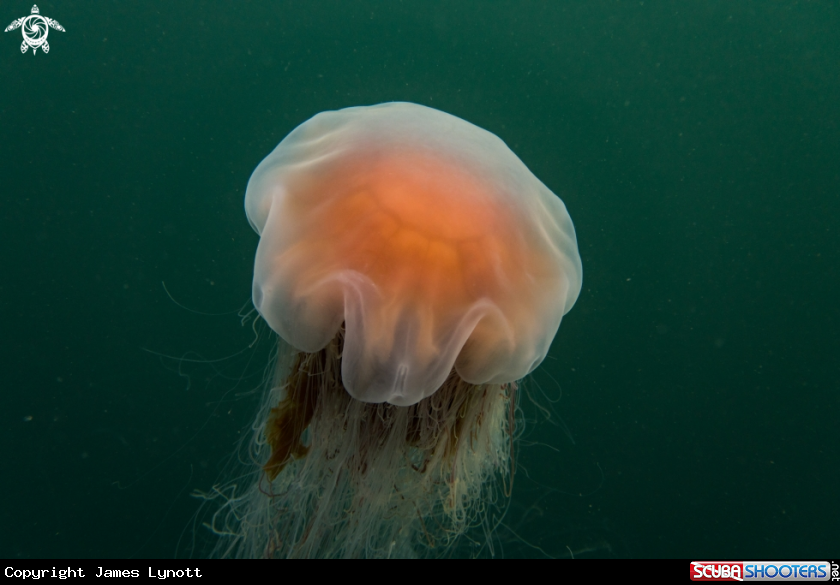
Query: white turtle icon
{"type": "Point", "coordinates": [35, 30]}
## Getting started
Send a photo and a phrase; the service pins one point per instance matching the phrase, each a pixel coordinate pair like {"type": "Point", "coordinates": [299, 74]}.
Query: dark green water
{"type": "Point", "coordinates": [696, 145]}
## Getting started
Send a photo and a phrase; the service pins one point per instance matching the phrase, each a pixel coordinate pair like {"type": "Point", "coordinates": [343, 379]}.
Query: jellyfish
{"type": "Point", "coordinates": [414, 271]}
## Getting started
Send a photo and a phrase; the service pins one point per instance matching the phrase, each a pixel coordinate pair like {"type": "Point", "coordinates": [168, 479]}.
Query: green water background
{"type": "Point", "coordinates": [695, 144]}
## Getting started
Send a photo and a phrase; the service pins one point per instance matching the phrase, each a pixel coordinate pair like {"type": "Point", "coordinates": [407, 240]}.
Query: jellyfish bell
{"type": "Point", "coordinates": [418, 270]}
{"type": "Point", "coordinates": [422, 233]}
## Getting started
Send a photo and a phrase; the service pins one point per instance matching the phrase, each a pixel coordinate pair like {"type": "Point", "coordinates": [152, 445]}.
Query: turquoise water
{"type": "Point", "coordinates": [695, 144]}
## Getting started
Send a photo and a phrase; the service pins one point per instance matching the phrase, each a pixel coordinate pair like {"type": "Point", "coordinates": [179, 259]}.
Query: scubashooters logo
{"type": "Point", "coordinates": [761, 571]}
{"type": "Point", "coordinates": [35, 29]}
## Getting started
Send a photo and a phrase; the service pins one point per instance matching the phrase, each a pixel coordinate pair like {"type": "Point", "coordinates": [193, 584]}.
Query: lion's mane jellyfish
{"type": "Point", "coordinates": [418, 270]}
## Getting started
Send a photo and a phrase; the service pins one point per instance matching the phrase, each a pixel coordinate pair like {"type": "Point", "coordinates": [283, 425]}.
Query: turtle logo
{"type": "Point", "coordinates": [35, 29]}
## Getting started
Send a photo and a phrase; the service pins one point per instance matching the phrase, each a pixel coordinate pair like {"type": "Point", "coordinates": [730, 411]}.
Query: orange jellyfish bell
{"type": "Point", "coordinates": [425, 235]}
